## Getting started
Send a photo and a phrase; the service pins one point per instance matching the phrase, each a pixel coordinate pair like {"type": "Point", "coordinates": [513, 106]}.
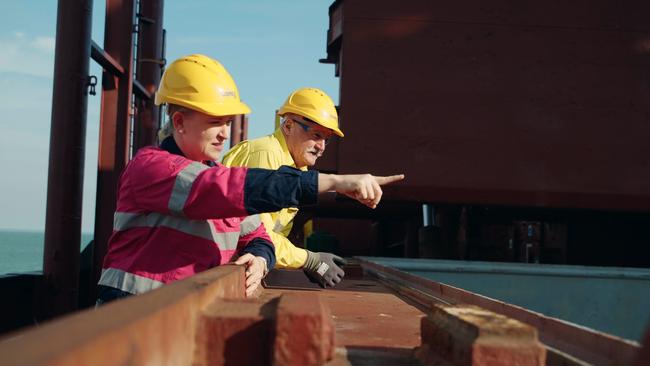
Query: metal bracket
{"type": "Point", "coordinates": [91, 83]}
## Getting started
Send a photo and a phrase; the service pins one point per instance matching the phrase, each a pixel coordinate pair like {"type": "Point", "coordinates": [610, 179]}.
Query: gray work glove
{"type": "Point", "coordinates": [323, 268]}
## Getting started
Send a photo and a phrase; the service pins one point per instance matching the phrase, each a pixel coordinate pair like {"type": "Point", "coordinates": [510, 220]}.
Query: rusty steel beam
{"type": "Point", "coordinates": [304, 330]}
{"type": "Point", "coordinates": [115, 124]}
{"type": "Point", "coordinates": [375, 325]}
{"type": "Point", "coordinates": [149, 66]}
{"type": "Point", "coordinates": [205, 320]}
{"type": "Point", "coordinates": [67, 153]}
{"type": "Point", "coordinates": [202, 320]}
{"type": "Point", "coordinates": [235, 132]}
{"type": "Point", "coordinates": [244, 127]}
{"type": "Point", "coordinates": [141, 92]}
{"type": "Point", "coordinates": [294, 329]}
{"type": "Point", "coordinates": [469, 335]}
{"type": "Point", "coordinates": [238, 130]}
{"type": "Point", "coordinates": [371, 322]}
{"type": "Point", "coordinates": [110, 65]}
{"type": "Point", "coordinates": [156, 328]}
{"type": "Point", "coordinates": [564, 340]}
{"type": "Point", "coordinates": [105, 60]}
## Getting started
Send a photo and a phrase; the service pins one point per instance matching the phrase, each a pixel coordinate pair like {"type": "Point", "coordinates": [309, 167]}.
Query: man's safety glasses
{"type": "Point", "coordinates": [315, 135]}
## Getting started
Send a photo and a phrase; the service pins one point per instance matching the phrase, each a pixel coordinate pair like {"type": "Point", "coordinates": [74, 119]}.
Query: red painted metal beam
{"type": "Point", "coordinates": [141, 92]}
{"type": "Point", "coordinates": [105, 60]}
{"type": "Point", "coordinates": [149, 66]}
{"type": "Point", "coordinates": [115, 124]}
{"type": "Point", "coordinates": [506, 106]}
{"type": "Point", "coordinates": [244, 127]}
{"type": "Point", "coordinates": [239, 130]}
{"type": "Point", "coordinates": [67, 149]}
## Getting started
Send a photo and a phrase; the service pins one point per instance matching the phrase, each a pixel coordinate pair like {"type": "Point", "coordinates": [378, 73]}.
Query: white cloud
{"type": "Point", "coordinates": [45, 44]}
{"type": "Point", "coordinates": [25, 54]}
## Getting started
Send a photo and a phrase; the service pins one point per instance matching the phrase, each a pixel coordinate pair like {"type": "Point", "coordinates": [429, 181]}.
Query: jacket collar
{"type": "Point", "coordinates": [283, 142]}
{"type": "Point", "coordinates": [169, 145]}
{"type": "Point", "coordinates": [285, 149]}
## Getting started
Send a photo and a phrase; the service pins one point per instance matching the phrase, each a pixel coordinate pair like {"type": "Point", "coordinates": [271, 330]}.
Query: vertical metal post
{"type": "Point", "coordinates": [67, 150]}
{"type": "Point", "coordinates": [239, 130]}
{"type": "Point", "coordinates": [463, 234]}
{"type": "Point", "coordinates": [411, 237]}
{"type": "Point", "coordinates": [115, 123]}
{"type": "Point", "coordinates": [244, 127]}
{"type": "Point", "coordinates": [150, 63]}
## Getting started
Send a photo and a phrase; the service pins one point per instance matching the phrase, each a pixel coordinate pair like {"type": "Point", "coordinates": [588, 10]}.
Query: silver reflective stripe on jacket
{"type": "Point", "coordinates": [200, 228]}
{"type": "Point", "coordinates": [183, 186]}
{"type": "Point", "coordinates": [250, 224]}
{"type": "Point", "coordinates": [128, 282]}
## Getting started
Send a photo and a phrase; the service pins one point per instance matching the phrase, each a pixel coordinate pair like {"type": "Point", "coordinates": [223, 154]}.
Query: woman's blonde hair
{"type": "Point", "coordinates": [168, 127]}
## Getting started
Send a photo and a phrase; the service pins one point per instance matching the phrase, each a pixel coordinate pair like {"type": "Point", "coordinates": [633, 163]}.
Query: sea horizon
{"type": "Point", "coordinates": [21, 250]}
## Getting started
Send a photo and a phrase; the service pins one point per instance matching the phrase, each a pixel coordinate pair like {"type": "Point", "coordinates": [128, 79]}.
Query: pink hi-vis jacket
{"type": "Point", "coordinates": [176, 217]}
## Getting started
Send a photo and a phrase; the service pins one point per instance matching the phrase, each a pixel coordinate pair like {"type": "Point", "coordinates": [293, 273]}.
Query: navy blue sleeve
{"type": "Point", "coordinates": [272, 190]}
{"type": "Point", "coordinates": [261, 248]}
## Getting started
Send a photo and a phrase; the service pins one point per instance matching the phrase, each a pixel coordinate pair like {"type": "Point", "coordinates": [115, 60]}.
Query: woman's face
{"type": "Point", "coordinates": [200, 136]}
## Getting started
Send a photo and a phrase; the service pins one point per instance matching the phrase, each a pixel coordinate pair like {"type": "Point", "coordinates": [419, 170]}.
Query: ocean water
{"type": "Point", "coordinates": [22, 251]}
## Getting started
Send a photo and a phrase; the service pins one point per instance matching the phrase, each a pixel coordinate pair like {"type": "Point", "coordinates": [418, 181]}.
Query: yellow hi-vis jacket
{"type": "Point", "coordinates": [271, 152]}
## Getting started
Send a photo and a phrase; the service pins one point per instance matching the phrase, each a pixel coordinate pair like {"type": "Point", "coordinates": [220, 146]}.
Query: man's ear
{"type": "Point", "coordinates": [178, 122]}
{"type": "Point", "coordinates": [287, 125]}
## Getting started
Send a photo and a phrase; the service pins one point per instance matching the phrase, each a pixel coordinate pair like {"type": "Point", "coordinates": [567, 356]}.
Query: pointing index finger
{"type": "Point", "coordinates": [389, 179]}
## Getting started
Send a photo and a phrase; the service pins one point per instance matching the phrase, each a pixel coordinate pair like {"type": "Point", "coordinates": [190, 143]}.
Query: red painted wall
{"type": "Point", "coordinates": [503, 102]}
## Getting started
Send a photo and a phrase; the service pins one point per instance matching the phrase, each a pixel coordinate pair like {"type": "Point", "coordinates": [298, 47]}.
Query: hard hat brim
{"type": "Point", "coordinates": [289, 109]}
{"type": "Point", "coordinates": [212, 109]}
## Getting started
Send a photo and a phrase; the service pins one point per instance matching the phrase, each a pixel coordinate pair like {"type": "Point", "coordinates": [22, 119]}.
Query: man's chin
{"type": "Point", "coordinates": [306, 162]}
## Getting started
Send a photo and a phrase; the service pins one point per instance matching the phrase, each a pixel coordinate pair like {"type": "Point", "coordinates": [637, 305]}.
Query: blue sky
{"type": "Point", "coordinates": [270, 48]}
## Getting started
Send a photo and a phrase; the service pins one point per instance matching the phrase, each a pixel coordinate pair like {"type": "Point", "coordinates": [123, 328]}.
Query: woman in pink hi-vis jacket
{"type": "Point", "coordinates": [179, 213]}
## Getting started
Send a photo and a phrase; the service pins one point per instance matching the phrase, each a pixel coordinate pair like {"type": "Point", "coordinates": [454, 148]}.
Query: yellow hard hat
{"type": "Point", "coordinates": [314, 104]}
{"type": "Point", "coordinates": [200, 83]}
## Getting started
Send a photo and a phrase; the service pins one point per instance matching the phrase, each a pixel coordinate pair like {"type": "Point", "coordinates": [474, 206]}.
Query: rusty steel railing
{"type": "Point", "coordinates": [565, 342]}
{"type": "Point", "coordinates": [203, 320]}
{"type": "Point", "coordinates": [206, 320]}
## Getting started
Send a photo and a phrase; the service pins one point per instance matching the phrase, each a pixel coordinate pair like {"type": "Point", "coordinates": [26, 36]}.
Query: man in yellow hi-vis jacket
{"type": "Point", "coordinates": [309, 119]}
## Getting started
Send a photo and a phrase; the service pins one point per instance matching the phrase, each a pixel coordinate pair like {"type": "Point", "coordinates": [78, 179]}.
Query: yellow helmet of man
{"type": "Point", "coordinates": [315, 105]}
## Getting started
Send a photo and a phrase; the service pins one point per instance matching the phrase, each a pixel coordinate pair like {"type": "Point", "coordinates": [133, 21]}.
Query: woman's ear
{"type": "Point", "coordinates": [178, 121]}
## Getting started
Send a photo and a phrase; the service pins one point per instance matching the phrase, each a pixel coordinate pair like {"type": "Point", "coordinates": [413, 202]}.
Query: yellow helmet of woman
{"type": "Point", "coordinates": [200, 83]}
